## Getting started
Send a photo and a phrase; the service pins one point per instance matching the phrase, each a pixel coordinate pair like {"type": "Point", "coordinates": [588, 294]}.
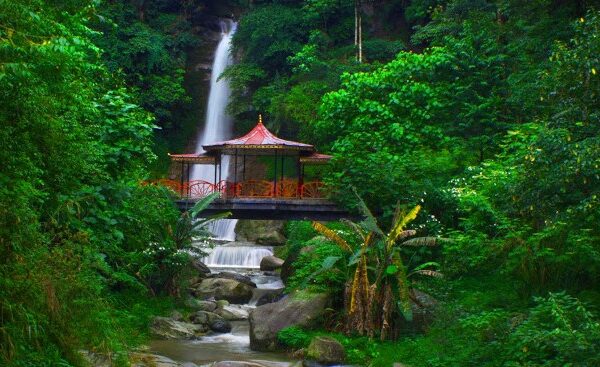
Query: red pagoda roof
{"type": "Point", "coordinates": [259, 138]}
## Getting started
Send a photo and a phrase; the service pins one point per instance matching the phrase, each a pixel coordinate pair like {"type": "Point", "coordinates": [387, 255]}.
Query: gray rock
{"type": "Point", "coordinates": [423, 308]}
{"type": "Point", "coordinates": [270, 263]}
{"type": "Point", "coordinates": [167, 328]}
{"type": "Point", "coordinates": [176, 315]}
{"type": "Point", "coordinates": [269, 296]}
{"type": "Point", "coordinates": [153, 360]}
{"type": "Point", "coordinates": [233, 312]}
{"type": "Point", "coordinates": [326, 350]}
{"type": "Point", "coordinates": [263, 232]}
{"type": "Point", "coordinates": [235, 276]}
{"type": "Point", "coordinates": [220, 326]}
{"type": "Point", "coordinates": [300, 310]}
{"type": "Point", "coordinates": [204, 317]}
{"type": "Point", "coordinates": [202, 269]}
{"type": "Point", "coordinates": [236, 364]}
{"type": "Point", "coordinates": [200, 305]}
{"type": "Point", "coordinates": [222, 303]}
{"type": "Point", "coordinates": [227, 289]}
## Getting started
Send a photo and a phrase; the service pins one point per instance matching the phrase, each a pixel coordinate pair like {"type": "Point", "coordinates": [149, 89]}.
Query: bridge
{"type": "Point", "coordinates": [259, 199]}
{"type": "Point", "coordinates": [266, 177]}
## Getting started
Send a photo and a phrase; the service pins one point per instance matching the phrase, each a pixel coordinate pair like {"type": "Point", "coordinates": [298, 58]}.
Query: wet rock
{"type": "Point", "coordinates": [202, 269]}
{"type": "Point", "coordinates": [233, 312]}
{"type": "Point", "coordinates": [204, 317]}
{"type": "Point", "coordinates": [220, 326]}
{"type": "Point", "coordinates": [200, 305]}
{"type": "Point", "coordinates": [176, 315]}
{"type": "Point", "coordinates": [300, 310]}
{"type": "Point", "coordinates": [235, 276]}
{"type": "Point", "coordinates": [167, 328]}
{"type": "Point", "coordinates": [222, 303]}
{"type": "Point", "coordinates": [236, 364]}
{"type": "Point", "coordinates": [326, 350]}
{"type": "Point", "coordinates": [263, 232]}
{"type": "Point", "coordinates": [269, 263]}
{"type": "Point", "coordinates": [153, 360]}
{"type": "Point", "coordinates": [270, 296]}
{"type": "Point", "coordinates": [230, 290]}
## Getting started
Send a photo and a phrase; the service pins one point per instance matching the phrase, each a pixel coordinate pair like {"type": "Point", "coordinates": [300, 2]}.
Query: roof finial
{"type": "Point", "coordinates": [259, 118]}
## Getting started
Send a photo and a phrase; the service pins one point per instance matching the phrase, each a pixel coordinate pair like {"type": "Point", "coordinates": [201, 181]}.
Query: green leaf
{"type": "Point", "coordinates": [391, 269]}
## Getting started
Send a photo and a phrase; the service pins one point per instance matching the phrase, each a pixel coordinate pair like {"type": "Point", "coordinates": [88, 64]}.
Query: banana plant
{"type": "Point", "coordinates": [380, 281]}
{"type": "Point", "coordinates": [190, 227]}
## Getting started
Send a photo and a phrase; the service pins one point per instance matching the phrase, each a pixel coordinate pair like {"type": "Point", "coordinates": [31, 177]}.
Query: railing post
{"type": "Point", "coordinates": [181, 180]}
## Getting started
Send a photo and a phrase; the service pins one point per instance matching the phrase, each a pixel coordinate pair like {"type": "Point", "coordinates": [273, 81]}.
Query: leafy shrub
{"type": "Point", "coordinates": [294, 337]}
{"type": "Point", "coordinates": [559, 331]}
{"type": "Point", "coordinates": [318, 269]}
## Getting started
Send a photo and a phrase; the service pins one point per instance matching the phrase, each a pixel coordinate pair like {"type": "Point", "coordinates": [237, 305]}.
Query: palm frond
{"type": "Point", "coordinates": [369, 223]}
{"type": "Point", "coordinates": [203, 203]}
{"type": "Point", "coordinates": [423, 241]}
{"type": "Point", "coordinates": [357, 228]}
{"type": "Point", "coordinates": [399, 224]}
{"type": "Point", "coordinates": [332, 236]}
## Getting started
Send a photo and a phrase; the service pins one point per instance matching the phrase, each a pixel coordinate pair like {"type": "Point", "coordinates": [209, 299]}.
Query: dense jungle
{"type": "Point", "coordinates": [465, 139]}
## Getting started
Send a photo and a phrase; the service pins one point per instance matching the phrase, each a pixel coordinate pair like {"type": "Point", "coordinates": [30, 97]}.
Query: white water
{"type": "Point", "coordinates": [219, 125]}
{"type": "Point", "coordinates": [237, 257]}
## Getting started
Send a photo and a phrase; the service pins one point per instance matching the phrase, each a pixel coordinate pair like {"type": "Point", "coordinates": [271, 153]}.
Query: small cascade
{"type": "Point", "coordinates": [237, 257]}
{"type": "Point", "coordinates": [218, 125]}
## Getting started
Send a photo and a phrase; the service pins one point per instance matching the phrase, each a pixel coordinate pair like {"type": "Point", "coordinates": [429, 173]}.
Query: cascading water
{"type": "Point", "coordinates": [237, 257]}
{"type": "Point", "coordinates": [219, 124]}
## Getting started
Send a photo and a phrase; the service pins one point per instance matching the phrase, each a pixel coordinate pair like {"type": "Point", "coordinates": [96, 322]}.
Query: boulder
{"type": "Point", "coordinates": [236, 364]}
{"type": "Point", "coordinates": [270, 263]}
{"type": "Point", "coordinates": [423, 308]}
{"type": "Point", "coordinates": [300, 310]}
{"type": "Point", "coordinates": [220, 326]}
{"type": "Point", "coordinates": [202, 269]}
{"type": "Point", "coordinates": [224, 289]}
{"type": "Point", "coordinates": [176, 315]}
{"type": "Point", "coordinates": [138, 359]}
{"type": "Point", "coordinates": [235, 276]}
{"type": "Point", "coordinates": [263, 232]}
{"type": "Point", "coordinates": [204, 317]}
{"type": "Point", "coordinates": [200, 305]}
{"type": "Point", "coordinates": [233, 312]}
{"type": "Point", "coordinates": [167, 328]}
{"type": "Point", "coordinates": [269, 296]}
{"type": "Point", "coordinates": [326, 350]}
{"type": "Point", "coordinates": [222, 303]}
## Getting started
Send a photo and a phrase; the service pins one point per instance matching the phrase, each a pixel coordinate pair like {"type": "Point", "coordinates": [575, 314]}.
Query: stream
{"type": "Point", "coordinates": [242, 258]}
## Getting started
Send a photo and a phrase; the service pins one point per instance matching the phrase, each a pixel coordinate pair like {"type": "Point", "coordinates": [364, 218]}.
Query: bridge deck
{"type": "Point", "coordinates": [273, 208]}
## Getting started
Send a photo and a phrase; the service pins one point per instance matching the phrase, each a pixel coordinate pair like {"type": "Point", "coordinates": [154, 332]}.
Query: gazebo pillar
{"type": "Point", "coordinates": [275, 176]}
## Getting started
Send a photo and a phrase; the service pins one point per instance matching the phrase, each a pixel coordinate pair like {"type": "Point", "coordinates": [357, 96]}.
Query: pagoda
{"type": "Point", "coordinates": [283, 164]}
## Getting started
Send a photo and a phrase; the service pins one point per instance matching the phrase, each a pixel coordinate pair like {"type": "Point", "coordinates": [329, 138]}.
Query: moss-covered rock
{"type": "Point", "coordinates": [326, 350]}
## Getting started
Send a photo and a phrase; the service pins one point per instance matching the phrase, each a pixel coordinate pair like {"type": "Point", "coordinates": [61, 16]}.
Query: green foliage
{"type": "Point", "coordinates": [147, 45]}
{"type": "Point", "coordinates": [318, 269]}
{"type": "Point", "coordinates": [75, 226]}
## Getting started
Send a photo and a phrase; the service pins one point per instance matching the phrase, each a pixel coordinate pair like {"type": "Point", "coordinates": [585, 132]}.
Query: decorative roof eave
{"type": "Point", "coordinates": [259, 138]}
{"type": "Point", "coordinates": [193, 158]}
{"type": "Point", "coordinates": [233, 147]}
{"type": "Point", "coordinates": [316, 158]}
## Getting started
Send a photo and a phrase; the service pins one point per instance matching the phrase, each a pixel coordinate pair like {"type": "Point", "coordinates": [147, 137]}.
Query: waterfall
{"type": "Point", "coordinates": [232, 256]}
{"type": "Point", "coordinates": [218, 125]}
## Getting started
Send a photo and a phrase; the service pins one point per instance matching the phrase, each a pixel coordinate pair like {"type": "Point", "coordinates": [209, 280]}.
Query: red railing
{"type": "Point", "coordinates": [286, 188]}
